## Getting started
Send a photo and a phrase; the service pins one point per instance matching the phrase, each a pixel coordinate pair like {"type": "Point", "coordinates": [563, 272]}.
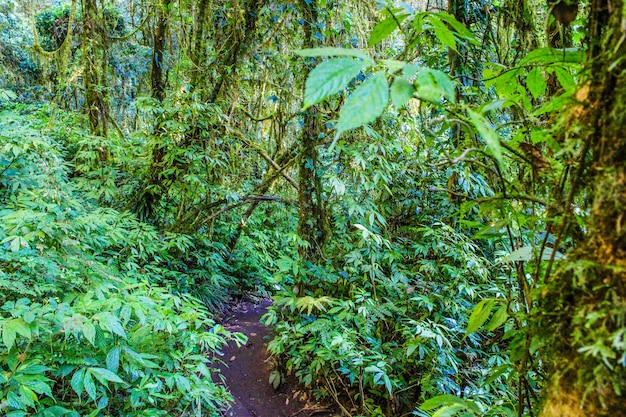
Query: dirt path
{"type": "Point", "coordinates": [248, 372]}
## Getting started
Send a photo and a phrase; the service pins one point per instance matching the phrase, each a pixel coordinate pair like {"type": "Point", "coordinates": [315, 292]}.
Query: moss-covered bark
{"type": "Point", "coordinates": [94, 71]}
{"type": "Point", "coordinates": [583, 307]}
{"type": "Point", "coordinates": [312, 223]}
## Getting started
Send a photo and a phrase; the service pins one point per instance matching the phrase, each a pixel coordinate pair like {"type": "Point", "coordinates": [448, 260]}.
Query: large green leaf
{"type": "Point", "coordinates": [443, 33]}
{"type": "Point", "coordinates": [89, 331]}
{"type": "Point", "coordinates": [438, 401]}
{"type": "Point", "coordinates": [401, 92]}
{"type": "Point", "coordinates": [536, 83]}
{"type": "Point", "coordinates": [103, 375]}
{"type": "Point", "coordinates": [488, 134]}
{"type": "Point", "coordinates": [499, 318]}
{"type": "Point", "coordinates": [450, 411]}
{"type": "Point", "coordinates": [10, 330]}
{"type": "Point", "coordinates": [40, 386]}
{"type": "Point", "coordinates": [384, 28]}
{"type": "Point", "coordinates": [90, 386]}
{"type": "Point", "coordinates": [77, 382]}
{"type": "Point", "coordinates": [565, 78]}
{"type": "Point", "coordinates": [8, 336]}
{"type": "Point", "coordinates": [113, 359]}
{"type": "Point", "coordinates": [480, 314]}
{"type": "Point", "coordinates": [432, 85]}
{"type": "Point", "coordinates": [555, 104]}
{"type": "Point", "coordinates": [393, 65]}
{"type": "Point", "coordinates": [524, 253]}
{"type": "Point", "coordinates": [365, 104]}
{"type": "Point", "coordinates": [7, 95]}
{"type": "Point", "coordinates": [461, 30]}
{"type": "Point", "coordinates": [552, 55]}
{"type": "Point", "coordinates": [331, 77]}
{"type": "Point", "coordinates": [110, 323]}
{"type": "Point", "coordinates": [182, 384]}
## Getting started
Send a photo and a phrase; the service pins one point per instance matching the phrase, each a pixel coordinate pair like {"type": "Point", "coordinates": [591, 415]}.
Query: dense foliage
{"type": "Point", "coordinates": [432, 194]}
{"type": "Point", "coordinates": [84, 309]}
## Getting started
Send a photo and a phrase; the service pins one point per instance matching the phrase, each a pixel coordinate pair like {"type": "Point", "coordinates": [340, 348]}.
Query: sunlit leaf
{"type": "Point", "coordinates": [7, 95]}
{"type": "Point", "coordinates": [104, 375]}
{"type": "Point", "coordinates": [499, 318]}
{"type": "Point", "coordinates": [488, 134]}
{"type": "Point", "coordinates": [551, 55]}
{"type": "Point", "coordinates": [449, 411]}
{"type": "Point", "coordinates": [547, 254]}
{"type": "Point", "coordinates": [77, 382]}
{"type": "Point", "coordinates": [393, 65]}
{"type": "Point", "coordinates": [401, 92]}
{"type": "Point", "coordinates": [445, 35]}
{"type": "Point", "coordinates": [565, 78]}
{"type": "Point", "coordinates": [536, 83]}
{"type": "Point", "coordinates": [365, 104]}
{"type": "Point", "coordinates": [330, 77]}
{"type": "Point", "coordinates": [433, 85]}
{"type": "Point", "coordinates": [89, 331]}
{"type": "Point", "coordinates": [182, 384]}
{"type": "Point", "coordinates": [90, 386]}
{"type": "Point", "coordinates": [9, 333]}
{"type": "Point", "coordinates": [461, 30]}
{"type": "Point", "coordinates": [441, 400]}
{"type": "Point", "coordinates": [113, 359]}
{"type": "Point", "coordinates": [384, 28]}
{"type": "Point", "coordinates": [480, 314]}
{"type": "Point", "coordinates": [524, 253]}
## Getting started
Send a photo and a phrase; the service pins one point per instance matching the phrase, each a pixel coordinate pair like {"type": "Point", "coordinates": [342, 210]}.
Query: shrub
{"type": "Point", "coordinates": [87, 326]}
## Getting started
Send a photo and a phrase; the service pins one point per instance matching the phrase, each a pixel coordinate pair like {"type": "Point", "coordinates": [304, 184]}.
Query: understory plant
{"type": "Point", "coordinates": [90, 324]}
{"type": "Point", "coordinates": [383, 324]}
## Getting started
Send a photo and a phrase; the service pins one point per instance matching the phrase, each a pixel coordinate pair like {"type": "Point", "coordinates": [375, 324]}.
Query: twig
{"type": "Point", "coordinates": [265, 156]}
{"type": "Point", "coordinates": [458, 158]}
{"type": "Point", "coordinates": [452, 192]}
{"type": "Point", "coordinates": [333, 392]}
{"type": "Point", "coordinates": [311, 410]}
{"type": "Point", "coordinates": [245, 201]}
{"type": "Point", "coordinates": [262, 119]}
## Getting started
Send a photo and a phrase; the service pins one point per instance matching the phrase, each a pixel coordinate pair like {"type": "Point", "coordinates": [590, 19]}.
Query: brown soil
{"type": "Point", "coordinates": [247, 372]}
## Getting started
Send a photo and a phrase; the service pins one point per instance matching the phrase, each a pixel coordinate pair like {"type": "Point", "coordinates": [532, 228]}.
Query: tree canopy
{"type": "Point", "coordinates": [432, 193]}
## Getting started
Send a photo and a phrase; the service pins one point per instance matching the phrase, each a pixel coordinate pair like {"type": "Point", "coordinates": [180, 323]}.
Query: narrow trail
{"type": "Point", "coordinates": [247, 372]}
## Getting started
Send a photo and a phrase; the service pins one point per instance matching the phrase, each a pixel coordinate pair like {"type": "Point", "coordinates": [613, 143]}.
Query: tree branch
{"type": "Point", "coordinates": [246, 200]}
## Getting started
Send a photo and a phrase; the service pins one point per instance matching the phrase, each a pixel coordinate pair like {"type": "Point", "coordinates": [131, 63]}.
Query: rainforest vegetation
{"type": "Point", "coordinates": [432, 192]}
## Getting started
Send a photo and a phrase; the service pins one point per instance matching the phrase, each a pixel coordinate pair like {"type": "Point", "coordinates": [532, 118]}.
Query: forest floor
{"type": "Point", "coordinates": [247, 371]}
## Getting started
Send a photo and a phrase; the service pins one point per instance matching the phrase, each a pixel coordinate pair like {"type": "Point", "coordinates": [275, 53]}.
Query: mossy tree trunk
{"type": "Point", "coordinates": [312, 222]}
{"type": "Point", "coordinates": [582, 318]}
{"type": "Point", "coordinates": [165, 170]}
{"type": "Point", "coordinates": [149, 195]}
{"type": "Point", "coordinates": [157, 75]}
{"type": "Point", "coordinates": [94, 70]}
{"type": "Point", "coordinates": [198, 44]}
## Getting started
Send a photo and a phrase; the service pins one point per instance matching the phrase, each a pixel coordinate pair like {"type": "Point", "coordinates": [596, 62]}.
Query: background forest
{"type": "Point", "coordinates": [433, 193]}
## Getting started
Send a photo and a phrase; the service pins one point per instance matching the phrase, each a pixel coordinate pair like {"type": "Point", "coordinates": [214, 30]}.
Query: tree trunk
{"type": "Point", "coordinates": [198, 48]}
{"type": "Point", "coordinates": [583, 309]}
{"type": "Point", "coordinates": [157, 76]}
{"type": "Point", "coordinates": [149, 195]}
{"type": "Point", "coordinates": [96, 106]}
{"type": "Point", "coordinates": [312, 222]}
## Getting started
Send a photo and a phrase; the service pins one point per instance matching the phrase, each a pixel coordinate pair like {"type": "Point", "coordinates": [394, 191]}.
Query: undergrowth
{"type": "Point", "coordinates": [95, 310]}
